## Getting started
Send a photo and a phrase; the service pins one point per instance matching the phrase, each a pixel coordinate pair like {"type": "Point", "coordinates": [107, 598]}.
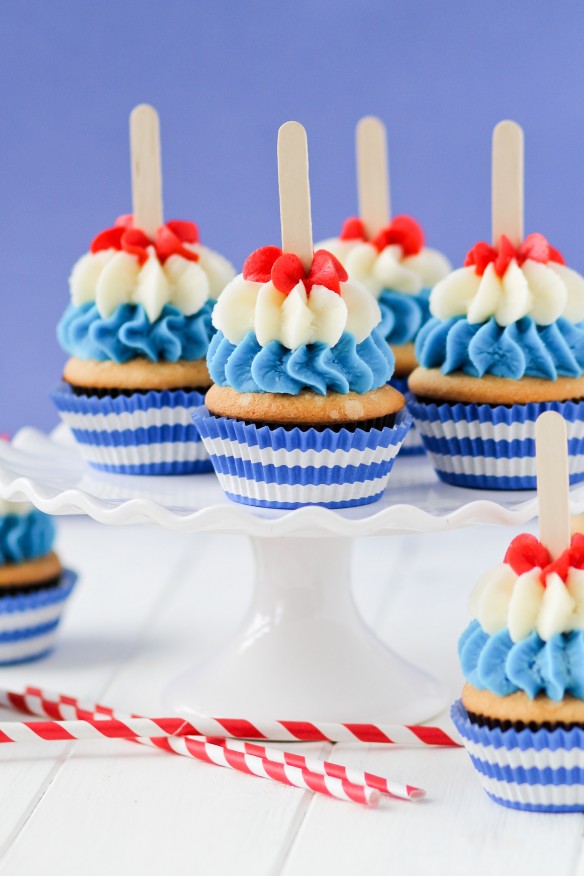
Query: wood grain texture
{"type": "Point", "coordinates": [151, 600]}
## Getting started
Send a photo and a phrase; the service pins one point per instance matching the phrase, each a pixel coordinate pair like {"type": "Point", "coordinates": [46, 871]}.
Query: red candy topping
{"type": "Point", "coordinates": [534, 247]}
{"type": "Point", "coordinates": [525, 553]}
{"type": "Point", "coordinates": [285, 270]}
{"type": "Point", "coordinates": [168, 240]}
{"type": "Point", "coordinates": [402, 231]}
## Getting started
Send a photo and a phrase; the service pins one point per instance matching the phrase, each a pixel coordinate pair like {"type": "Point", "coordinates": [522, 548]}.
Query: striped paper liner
{"type": "Point", "coordinates": [288, 468]}
{"type": "Point", "coordinates": [412, 445]}
{"type": "Point", "coordinates": [147, 433]}
{"type": "Point", "coordinates": [492, 447]}
{"type": "Point", "coordinates": [535, 770]}
{"type": "Point", "coordinates": [29, 621]}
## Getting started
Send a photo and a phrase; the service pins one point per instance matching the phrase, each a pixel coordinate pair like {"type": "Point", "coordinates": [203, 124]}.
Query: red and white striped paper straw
{"type": "Point", "coordinates": [281, 731]}
{"type": "Point", "coordinates": [58, 706]}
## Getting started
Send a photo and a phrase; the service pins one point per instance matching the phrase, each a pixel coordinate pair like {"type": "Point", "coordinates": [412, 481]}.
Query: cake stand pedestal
{"type": "Point", "coordinates": [303, 653]}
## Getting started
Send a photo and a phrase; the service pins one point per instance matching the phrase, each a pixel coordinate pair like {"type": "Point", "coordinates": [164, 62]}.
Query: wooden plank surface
{"type": "Point", "coordinates": [149, 601]}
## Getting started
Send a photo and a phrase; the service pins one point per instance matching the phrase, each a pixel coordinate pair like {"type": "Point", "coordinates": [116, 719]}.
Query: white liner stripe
{"type": "Point", "coordinates": [527, 759]}
{"type": "Point", "coordinates": [308, 493]}
{"type": "Point", "coordinates": [542, 795]}
{"type": "Point", "coordinates": [26, 647]}
{"type": "Point", "coordinates": [125, 420]}
{"type": "Point", "coordinates": [298, 457]}
{"type": "Point", "coordinates": [33, 617]}
{"type": "Point", "coordinates": [487, 431]}
{"type": "Point", "coordinates": [492, 466]}
{"type": "Point", "coordinates": [143, 454]}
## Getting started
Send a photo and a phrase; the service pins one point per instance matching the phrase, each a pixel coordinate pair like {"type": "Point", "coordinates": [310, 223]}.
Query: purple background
{"type": "Point", "coordinates": [224, 76]}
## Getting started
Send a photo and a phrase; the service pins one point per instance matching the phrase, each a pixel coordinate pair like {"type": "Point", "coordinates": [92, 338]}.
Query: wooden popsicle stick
{"type": "Point", "coordinates": [146, 171]}
{"type": "Point", "coordinates": [372, 174]}
{"type": "Point", "coordinates": [507, 183]}
{"type": "Point", "coordinates": [295, 216]}
{"type": "Point", "coordinates": [553, 486]}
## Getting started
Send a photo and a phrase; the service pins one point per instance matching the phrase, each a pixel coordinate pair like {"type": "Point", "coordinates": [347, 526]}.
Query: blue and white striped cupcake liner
{"type": "Point", "coordinates": [534, 770]}
{"type": "Point", "coordinates": [412, 445]}
{"type": "Point", "coordinates": [143, 434]}
{"type": "Point", "coordinates": [274, 467]}
{"type": "Point", "coordinates": [492, 447]}
{"type": "Point", "coordinates": [29, 621]}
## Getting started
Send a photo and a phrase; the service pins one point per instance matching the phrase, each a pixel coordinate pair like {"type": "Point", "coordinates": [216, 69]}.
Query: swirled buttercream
{"type": "Point", "coordinates": [128, 333]}
{"type": "Point", "coordinates": [521, 349]}
{"type": "Point", "coordinates": [554, 667]}
{"type": "Point", "coordinates": [346, 366]}
{"type": "Point", "coordinates": [24, 534]}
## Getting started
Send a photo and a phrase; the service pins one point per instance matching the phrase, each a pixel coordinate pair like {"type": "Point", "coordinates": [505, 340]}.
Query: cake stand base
{"type": "Point", "coordinates": [304, 653]}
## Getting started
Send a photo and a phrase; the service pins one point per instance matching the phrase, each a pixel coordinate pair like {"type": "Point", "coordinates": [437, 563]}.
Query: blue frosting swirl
{"type": "Point", "coordinates": [498, 664]}
{"type": "Point", "coordinates": [402, 316]}
{"type": "Point", "coordinates": [522, 349]}
{"type": "Point", "coordinates": [128, 333]}
{"type": "Point", "coordinates": [346, 367]}
{"type": "Point", "coordinates": [25, 536]}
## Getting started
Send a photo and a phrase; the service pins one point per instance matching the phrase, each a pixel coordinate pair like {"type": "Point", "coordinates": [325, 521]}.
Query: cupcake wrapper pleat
{"type": "Point", "coordinates": [536, 770]}
{"type": "Point", "coordinates": [492, 447]}
{"type": "Point", "coordinates": [29, 621]}
{"type": "Point", "coordinates": [412, 445]}
{"type": "Point", "coordinates": [145, 433]}
{"type": "Point", "coordinates": [288, 468]}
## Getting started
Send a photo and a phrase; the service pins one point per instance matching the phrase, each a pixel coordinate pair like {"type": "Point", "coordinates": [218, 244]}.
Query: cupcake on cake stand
{"type": "Point", "coordinates": [303, 652]}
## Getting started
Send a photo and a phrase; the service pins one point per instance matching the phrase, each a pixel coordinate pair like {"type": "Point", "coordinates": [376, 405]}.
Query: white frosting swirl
{"type": "Point", "coordinates": [388, 269]}
{"type": "Point", "coordinates": [113, 277]}
{"type": "Point", "coordinates": [544, 292]}
{"type": "Point", "coordinates": [297, 318]}
{"type": "Point", "coordinates": [522, 603]}
{"type": "Point", "coordinates": [19, 508]}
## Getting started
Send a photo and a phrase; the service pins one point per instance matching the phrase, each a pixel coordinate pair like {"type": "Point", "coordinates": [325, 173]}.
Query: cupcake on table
{"type": "Point", "coordinates": [521, 715]}
{"type": "Point", "coordinates": [389, 257]}
{"type": "Point", "coordinates": [138, 329]}
{"type": "Point", "coordinates": [300, 411]}
{"type": "Point", "coordinates": [505, 343]}
{"type": "Point", "coordinates": [34, 587]}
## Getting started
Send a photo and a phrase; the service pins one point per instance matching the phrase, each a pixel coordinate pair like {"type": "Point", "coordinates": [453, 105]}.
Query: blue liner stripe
{"type": "Point", "coordinates": [531, 776]}
{"type": "Point", "coordinates": [29, 632]}
{"type": "Point", "coordinates": [490, 448]}
{"type": "Point", "coordinates": [29, 658]}
{"type": "Point", "coordinates": [494, 482]}
{"type": "Point", "coordinates": [290, 506]}
{"type": "Point", "coordinates": [133, 437]}
{"type": "Point", "coordinates": [39, 598]}
{"type": "Point", "coordinates": [310, 474]}
{"type": "Point", "coordinates": [525, 740]}
{"type": "Point", "coordinates": [483, 413]}
{"type": "Point", "coordinates": [197, 466]}
{"type": "Point", "coordinates": [535, 807]}
{"type": "Point", "coordinates": [66, 400]}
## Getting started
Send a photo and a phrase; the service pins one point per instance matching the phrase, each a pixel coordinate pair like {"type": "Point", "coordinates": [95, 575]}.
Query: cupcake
{"type": "Point", "coordinates": [300, 411]}
{"type": "Point", "coordinates": [521, 716]}
{"type": "Point", "coordinates": [137, 331]}
{"type": "Point", "coordinates": [33, 585]}
{"type": "Point", "coordinates": [505, 343]}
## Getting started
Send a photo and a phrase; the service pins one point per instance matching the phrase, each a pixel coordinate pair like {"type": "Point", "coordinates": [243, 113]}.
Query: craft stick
{"type": "Point", "coordinates": [70, 713]}
{"type": "Point", "coordinates": [507, 183]}
{"type": "Point", "coordinates": [372, 174]}
{"type": "Point", "coordinates": [293, 182]}
{"type": "Point", "coordinates": [146, 170]}
{"type": "Point", "coordinates": [553, 484]}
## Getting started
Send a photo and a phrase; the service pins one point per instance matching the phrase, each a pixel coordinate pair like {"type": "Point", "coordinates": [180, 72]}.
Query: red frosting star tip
{"type": "Point", "coordinates": [525, 553]}
{"type": "Point", "coordinates": [534, 247]}
{"type": "Point", "coordinates": [402, 231]}
{"type": "Point", "coordinates": [168, 240]}
{"type": "Point", "coordinates": [285, 270]}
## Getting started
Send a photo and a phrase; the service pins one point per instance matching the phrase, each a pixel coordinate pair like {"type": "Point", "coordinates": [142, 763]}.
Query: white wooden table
{"type": "Point", "coordinates": [112, 807]}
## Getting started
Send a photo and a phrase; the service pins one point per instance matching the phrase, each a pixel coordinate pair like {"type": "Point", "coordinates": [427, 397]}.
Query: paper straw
{"type": "Point", "coordinates": [59, 707]}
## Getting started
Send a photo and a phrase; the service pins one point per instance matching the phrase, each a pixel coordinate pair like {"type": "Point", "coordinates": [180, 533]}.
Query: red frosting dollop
{"type": "Point", "coordinates": [285, 270]}
{"type": "Point", "coordinates": [534, 247]}
{"type": "Point", "coordinates": [525, 553]}
{"type": "Point", "coordinates": [402, 231]}
{"type": "Point", "coordinates": [168, 240]}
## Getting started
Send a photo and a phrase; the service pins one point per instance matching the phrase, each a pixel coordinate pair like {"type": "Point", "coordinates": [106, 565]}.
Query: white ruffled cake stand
{"type": "Point", "coordinates": [303, 652]}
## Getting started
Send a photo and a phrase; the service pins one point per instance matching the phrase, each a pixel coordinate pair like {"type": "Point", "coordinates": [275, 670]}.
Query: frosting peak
{"type": "Point", "coordinates": [402, 231]}
{"type": "Point", "coordinates": [124, 266]}
{"type": "Point", "coordinates": [508, 284]}
{"type": "Point", "coordinates": [286, 271]}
